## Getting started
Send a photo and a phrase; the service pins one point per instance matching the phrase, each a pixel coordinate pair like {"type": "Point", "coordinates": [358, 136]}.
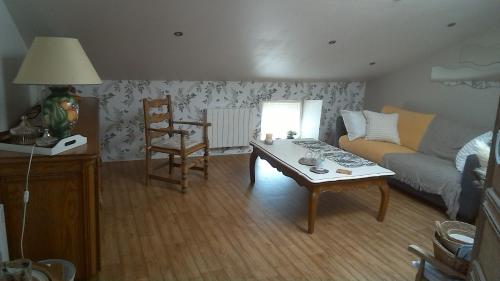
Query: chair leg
{"type": "Point", "coordinates": [170, 163]}
{"type": "Point", "coordinates": [420, 273]}
{"type": "Point", "coordinates": [183, 174]}
{"type": "Point", "coordinates": [205, 163]}
{"type": "Point", "coordinates": [148, 167]}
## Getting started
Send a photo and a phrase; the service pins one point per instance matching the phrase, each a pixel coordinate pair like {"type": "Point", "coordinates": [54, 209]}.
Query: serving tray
{"type": "Point", "coordinates": [61, 146]}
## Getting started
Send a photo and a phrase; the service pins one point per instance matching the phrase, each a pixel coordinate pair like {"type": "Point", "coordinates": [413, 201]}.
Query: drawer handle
{"type": "Point", "coordinates": [69, 142]}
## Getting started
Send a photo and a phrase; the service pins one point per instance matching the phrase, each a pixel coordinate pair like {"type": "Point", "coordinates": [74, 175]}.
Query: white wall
{"type": "Point", "coordinates": [411, 88]}
{"type": "Point", "coordinates": [14, 99]}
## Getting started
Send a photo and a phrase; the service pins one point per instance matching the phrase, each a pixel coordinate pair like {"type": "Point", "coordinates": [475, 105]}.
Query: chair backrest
{"type": "Point", "coordinates": [159, 115]}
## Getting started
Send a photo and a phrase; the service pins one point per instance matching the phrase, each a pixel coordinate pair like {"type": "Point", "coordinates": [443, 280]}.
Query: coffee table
{"type": "Point", "coordinates": [284, 155]}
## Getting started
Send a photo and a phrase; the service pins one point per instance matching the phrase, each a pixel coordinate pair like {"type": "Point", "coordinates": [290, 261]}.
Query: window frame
{"type": "Point", "coordinates": [301, 109]}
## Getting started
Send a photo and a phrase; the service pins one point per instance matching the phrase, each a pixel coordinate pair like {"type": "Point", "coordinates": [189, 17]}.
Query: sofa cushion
{"type": "Point", "coordinates": [411, 125]}
{"type": "Point", "coordinates": [371, 150]}
{"type": "Point", "coordinates": [444, 138]}
{"type": "Point", "coordinates": [479, 145]}
{"type": "Point", "coordinates": [355, 124]}
{"type": "Point", "coordinates": [381, 126]}
{"type": "Point", "coordinates": [428, 173]}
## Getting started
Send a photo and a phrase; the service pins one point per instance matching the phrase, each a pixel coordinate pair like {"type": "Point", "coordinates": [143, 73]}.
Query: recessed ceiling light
{"type": "Point", "coordinates": [451, 24]}
{"type": "Point", "coordinates": [178, 33]}
{"type": "Point", "coordinates": [372, 63]}
{"type": "Point", "coordinates": [332, 42]}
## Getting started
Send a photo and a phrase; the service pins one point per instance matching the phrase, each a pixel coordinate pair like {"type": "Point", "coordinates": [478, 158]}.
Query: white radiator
{"type": "Point", "coordinates": [230, 127]}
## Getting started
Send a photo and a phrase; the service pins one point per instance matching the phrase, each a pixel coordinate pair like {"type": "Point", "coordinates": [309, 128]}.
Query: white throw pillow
{"type": "Point", "coordinates": [355, 124]}
{"type": "Point", "coordinates": [382, 127]}
{"type": "Point", "coordinates": [471, 147]}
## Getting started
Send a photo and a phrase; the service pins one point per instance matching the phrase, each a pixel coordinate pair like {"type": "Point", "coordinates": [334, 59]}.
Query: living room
{"type": "Point", "coordinates": [235, 140]}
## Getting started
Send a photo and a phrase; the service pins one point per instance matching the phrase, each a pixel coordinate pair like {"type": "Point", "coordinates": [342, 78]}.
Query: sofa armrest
{"type": "Point", "coordinates": [470, 196]}
{"type": "Point", "coordinates": [340, 130]}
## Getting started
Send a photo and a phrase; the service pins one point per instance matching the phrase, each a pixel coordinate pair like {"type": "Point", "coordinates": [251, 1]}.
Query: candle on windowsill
{"type": "Point", "coordinates": [269, 139]}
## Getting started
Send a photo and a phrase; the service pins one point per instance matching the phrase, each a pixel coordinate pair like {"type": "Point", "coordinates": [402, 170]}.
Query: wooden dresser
{"type": "Point", "coordinates": [63, 210]}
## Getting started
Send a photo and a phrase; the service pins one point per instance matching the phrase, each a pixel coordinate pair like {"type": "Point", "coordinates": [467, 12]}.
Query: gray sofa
{"type": "Point", "coordinates": [430, 173]}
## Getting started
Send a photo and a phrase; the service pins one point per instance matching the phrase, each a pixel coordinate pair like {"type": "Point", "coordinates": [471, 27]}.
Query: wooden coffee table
{"type": "Point", "coordinates": [284, 155]}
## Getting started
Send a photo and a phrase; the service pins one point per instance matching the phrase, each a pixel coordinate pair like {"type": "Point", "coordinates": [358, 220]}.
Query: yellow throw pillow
{"type": "Point", "coordinates": [411, 125]}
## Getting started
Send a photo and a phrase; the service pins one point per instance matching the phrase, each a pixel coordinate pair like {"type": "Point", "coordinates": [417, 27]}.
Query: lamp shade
{"type": "Point", "coordinates": [56, 61]}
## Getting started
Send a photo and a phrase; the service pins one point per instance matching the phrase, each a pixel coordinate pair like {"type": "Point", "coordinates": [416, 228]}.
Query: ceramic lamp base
{"type": "Point", "coordinates": [60, 112]}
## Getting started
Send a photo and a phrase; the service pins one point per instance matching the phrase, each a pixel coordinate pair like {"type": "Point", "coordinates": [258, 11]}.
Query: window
{"type": "Point", "coordinates": [279, 117]}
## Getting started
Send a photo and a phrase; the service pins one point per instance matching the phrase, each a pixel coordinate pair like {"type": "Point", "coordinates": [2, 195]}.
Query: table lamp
{"type": "Point", "coordinates": [58, 63]}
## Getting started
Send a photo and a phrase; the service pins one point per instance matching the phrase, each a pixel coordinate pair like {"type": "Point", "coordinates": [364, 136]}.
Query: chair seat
{"type": "Point", "coordinates": [174, 142]}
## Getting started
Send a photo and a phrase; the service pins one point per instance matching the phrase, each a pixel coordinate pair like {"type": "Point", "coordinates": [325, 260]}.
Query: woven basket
{"type": "Point", "coordinates": [447, 257]}
{"type": "Point", "coordinates": [465, 228]}
{"type": "Point", "coordinates": [448, 227]}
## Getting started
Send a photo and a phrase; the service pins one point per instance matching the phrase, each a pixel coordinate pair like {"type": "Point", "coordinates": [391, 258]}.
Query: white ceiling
{"type": "Point", "coordinates": [254, 39]}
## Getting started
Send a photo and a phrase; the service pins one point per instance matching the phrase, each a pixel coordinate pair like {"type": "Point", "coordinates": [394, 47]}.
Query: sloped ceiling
{"type": "Point", "coordinates": [254, 39]}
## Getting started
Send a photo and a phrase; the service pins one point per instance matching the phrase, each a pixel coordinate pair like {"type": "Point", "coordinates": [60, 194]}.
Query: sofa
{"type": "Point", "coordinates": [424, 162]}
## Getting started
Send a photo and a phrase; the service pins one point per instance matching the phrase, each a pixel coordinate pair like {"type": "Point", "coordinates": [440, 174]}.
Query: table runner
{"type": "Point", "coordinates": [335, 154]}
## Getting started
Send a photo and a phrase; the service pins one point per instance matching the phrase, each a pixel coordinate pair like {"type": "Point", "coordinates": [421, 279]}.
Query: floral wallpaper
{"type": "Point", "coordinates": [121, 116]}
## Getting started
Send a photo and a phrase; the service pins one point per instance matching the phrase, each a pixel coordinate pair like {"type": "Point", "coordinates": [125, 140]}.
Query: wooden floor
{"type": "Point", "coordinates": [223, 229]}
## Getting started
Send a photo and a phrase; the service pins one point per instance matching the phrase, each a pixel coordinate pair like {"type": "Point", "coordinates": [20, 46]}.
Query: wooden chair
{"type": "Point", "coordinates": [432, 269]}
{"type": "Point", "coordinates": [178, 142]}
